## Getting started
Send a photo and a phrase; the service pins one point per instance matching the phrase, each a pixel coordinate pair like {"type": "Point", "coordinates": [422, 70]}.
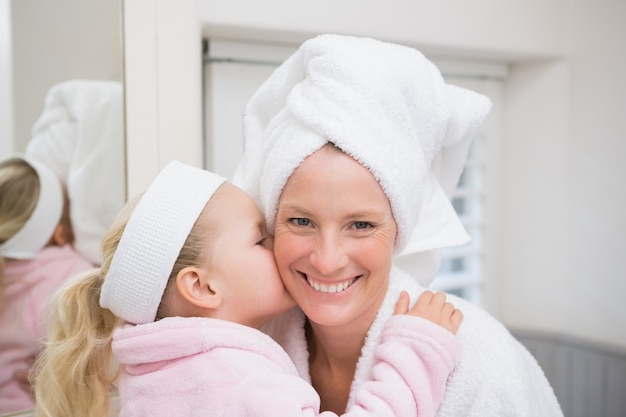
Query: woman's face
{"type": "Point", "coordinates": [334, 239]}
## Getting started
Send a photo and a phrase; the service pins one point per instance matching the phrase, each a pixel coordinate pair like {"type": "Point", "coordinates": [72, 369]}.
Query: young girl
{"type": "Point", "coordinates": [188, 277]}
{"type": "Point", "coordinates": [36, 257]}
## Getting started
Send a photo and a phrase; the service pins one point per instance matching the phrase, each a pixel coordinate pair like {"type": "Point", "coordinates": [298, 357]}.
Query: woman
{"type": "Point", "coordinates": [352, 148]}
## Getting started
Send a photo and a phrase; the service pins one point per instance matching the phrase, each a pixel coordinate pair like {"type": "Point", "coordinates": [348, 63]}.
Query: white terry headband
{"type": "Point", "coordinates": [39, 228]}
{"type": "Point", "coordinates": [152, 240]}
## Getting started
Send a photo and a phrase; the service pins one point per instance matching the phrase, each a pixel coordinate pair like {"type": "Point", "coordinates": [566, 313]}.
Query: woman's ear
{"type": "Point", "coordinates": [194, 285]}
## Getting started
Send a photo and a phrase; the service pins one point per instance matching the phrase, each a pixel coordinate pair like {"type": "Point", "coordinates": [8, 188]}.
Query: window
{"type": "Point", "coordinates": [461, 270]}
{"type": "Point", "coordinates": [233, 71]}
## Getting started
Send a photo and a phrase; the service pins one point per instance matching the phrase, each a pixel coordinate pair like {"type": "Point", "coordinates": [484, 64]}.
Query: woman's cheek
{"type": "Point", "coordinates": [285, 246]}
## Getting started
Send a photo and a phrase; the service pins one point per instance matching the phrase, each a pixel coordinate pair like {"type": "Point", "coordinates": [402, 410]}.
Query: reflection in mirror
{"type": "Point", "coordinates": [63, 64]}
{"type": "Point", "coordinates": [61, 106]}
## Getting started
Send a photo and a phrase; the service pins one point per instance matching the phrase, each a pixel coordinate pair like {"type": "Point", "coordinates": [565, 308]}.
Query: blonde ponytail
{"type": "Point", "coordinates": [74, 372]}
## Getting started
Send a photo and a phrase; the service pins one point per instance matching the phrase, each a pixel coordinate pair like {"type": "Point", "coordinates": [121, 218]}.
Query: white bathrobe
{"type": "Point", "coordinates": [496, 376]}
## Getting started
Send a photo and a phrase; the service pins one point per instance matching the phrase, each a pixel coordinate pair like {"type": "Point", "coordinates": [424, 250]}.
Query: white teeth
{"type": "Point", "coordinates": [332, 289]}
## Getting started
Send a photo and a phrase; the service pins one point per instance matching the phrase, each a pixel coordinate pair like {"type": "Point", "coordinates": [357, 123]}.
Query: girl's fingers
{"type": "Point", "coordinates": [402, 306]}
{"type": "Point", "coordinates": [425, 298]}
{"type": "Point", "coordinates": [433, 307]}
{"type": "Point", "coordinates": [439, 299]}
{"type": "Point", "coordinates": [447, 309]}
{"type": "Point", "coordinates": [455, 320]}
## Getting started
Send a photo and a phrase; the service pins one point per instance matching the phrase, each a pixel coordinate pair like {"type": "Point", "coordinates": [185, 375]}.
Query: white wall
{"type": "Point", "coordinates": [54, 41]}
{"type": "Point", "coordinates": [163, 87]}
{"type": "Point", "coordinates": [566, 149]}
{"type": "Point", "coordinates": [564, 120]}
{"type": "Point", "coordinates": [489, 27]}
{"type": "Point", "coordinates": [595, 169]}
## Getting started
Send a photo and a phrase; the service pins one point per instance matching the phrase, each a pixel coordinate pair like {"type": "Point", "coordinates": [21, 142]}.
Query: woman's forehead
{"type": "Point", "coordinates": [334, 167]}
{"type": "Point", "coordinates": [336, 176]}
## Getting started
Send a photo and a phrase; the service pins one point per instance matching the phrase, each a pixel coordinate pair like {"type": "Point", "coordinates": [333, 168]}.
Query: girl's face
{"type": "Point", "coordinates": [241, 262]}
{"type": "Point", "coordinates": [334, 239]}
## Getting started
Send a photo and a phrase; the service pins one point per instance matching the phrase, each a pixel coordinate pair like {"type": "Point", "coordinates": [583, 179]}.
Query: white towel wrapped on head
{"type": "Point", "coordinates": [385, 105]}
{"type": "Point", "coordinates": [80, 136]}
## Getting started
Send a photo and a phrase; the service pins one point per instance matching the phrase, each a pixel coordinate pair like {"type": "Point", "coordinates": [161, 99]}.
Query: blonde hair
{"type": "Point", "coordinates": [19, 194]}
{"type": "Point", "coordinates": [74, 373]}
{"type": "Point", "coordinates": [19, 188]}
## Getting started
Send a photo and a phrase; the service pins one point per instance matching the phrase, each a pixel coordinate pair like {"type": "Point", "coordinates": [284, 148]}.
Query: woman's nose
{"type": "Point", "coordinates": [329, 255]}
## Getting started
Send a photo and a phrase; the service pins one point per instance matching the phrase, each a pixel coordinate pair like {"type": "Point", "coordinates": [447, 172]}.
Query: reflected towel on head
{"type": "Point", "coordinates": [388, 107]}
{"type": "Point", "coordinates": [80, 136]}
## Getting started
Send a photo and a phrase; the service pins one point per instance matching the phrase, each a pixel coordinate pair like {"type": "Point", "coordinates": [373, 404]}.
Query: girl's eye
{"type": "Point", "coordinates": [362, 225]}
{"type": "Point", "coordinates": [262, 241]}
{"type": "Point", "coordinates": [301, 221]}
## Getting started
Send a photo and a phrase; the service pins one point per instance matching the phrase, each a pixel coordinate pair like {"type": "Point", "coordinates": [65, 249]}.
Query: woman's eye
{"type": "Point", "coordinates": [361, 225]}
{"type": "Point", "coordinates": [301, 221]}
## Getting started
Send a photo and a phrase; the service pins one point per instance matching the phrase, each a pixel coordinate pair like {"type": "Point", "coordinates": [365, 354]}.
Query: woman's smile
{"type": "Point", "coordinates": [331, 288]}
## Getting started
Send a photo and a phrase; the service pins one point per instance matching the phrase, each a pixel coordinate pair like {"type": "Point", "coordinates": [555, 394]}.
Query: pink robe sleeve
{"type": "Point", "coordinates": [411, 368]}
{"type": "Point", "coordinates": [412, 364]}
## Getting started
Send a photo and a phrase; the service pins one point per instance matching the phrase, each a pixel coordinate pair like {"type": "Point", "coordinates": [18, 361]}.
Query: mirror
{"type": "Point", "coordinates": [62, 66]}
{"type": "Point", "coordinates": [61, 103]}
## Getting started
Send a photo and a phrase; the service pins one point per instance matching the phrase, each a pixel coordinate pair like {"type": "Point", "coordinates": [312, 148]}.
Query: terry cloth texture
{"type": "Point", "coordinates": [388, 107]}
{"type": "Point", "coordinates": [152, 240]}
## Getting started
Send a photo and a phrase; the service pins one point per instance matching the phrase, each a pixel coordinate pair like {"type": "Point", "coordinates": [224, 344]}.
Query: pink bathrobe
{"type": "Point", "coordinates": [28, 287]}
{"type": "Point", "coordinates": [208, 367]}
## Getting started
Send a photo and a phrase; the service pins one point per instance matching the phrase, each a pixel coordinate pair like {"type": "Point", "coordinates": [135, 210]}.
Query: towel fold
{"type": "Point", "coordinates": [388, 107]}
{"type": "Point", "coordinates": [80, 137]}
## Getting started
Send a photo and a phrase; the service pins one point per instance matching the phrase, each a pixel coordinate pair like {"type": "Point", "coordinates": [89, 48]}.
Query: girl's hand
{"type": "Point", "coordinates": [431, 306]}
